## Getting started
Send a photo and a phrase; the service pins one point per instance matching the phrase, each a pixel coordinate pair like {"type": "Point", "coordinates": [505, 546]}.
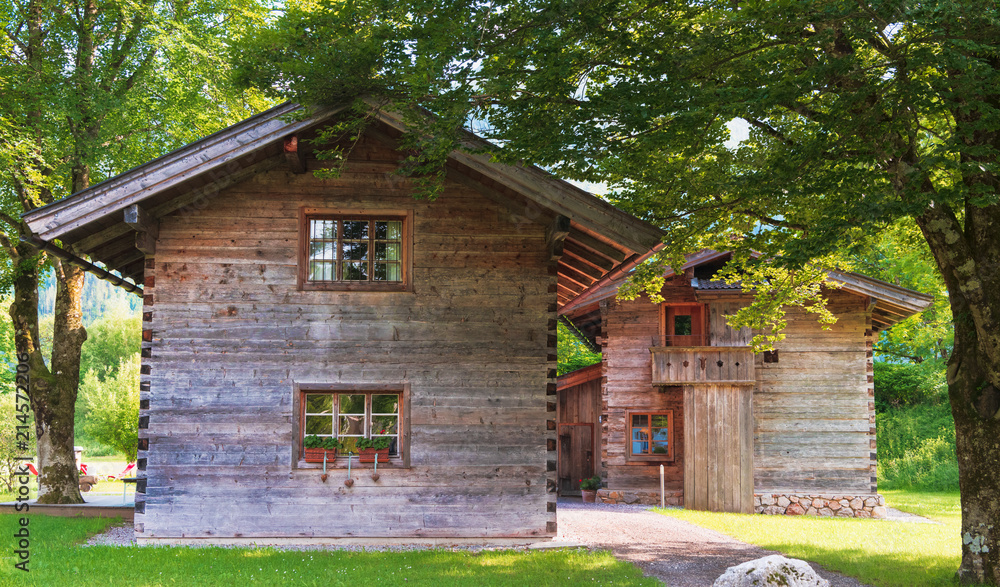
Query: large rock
{"type": "Point", "coordinates": [771, 571]}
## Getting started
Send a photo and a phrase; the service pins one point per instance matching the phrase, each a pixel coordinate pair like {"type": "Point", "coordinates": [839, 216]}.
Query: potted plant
{"type": "Point", "coordinates": [589, 487]}
{"type": "Point", "coordinates": [315, 447]}
{"type": "Point", "coordinates": [369, 447]}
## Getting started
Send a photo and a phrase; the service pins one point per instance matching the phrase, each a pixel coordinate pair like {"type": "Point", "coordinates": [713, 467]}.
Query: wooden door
{"type": "Point", "coordinates": [718, 448]}
{"type": "Point", "coordinates": [576, 456]}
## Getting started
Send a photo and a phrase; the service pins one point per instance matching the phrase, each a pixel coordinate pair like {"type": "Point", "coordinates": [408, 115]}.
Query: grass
{"type": "Point", "coordinates": [56, 559]}
{"type": "Point", "coordinates": [882, 553]}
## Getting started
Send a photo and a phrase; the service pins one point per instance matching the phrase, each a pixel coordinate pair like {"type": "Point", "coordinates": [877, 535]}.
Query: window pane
{"type": "Point", "coordinates": [355, 271]}
{"type": "Point", "coordinates": [385, 404]}
{"type": "Point", "coordinates": [355, 251]}
{"type": "Point", "coordinates": [356, 229]}
{"type": "Point", "coordinates": [387, 251]}
{"type": "Point", "coordinates": [661, 421]}
{"type": "Point", "coordinates": [383, 425]}
{"type": "Point", "coordinates": [388, 230]}
{"type": "Point", "coordinates": [319, 425]}
{"type": "Point", "coordinates": [352, 404]}
{"type": "Point", "coordinates": [323, 229]}
{"type": "Point", "coordinates": [319, 404]}
{"type": "Point", "coordinates": [351, 426]}
{"type": "Point", "coordinates": [321, 271]}
{"type": "Point", "coordinates": [682, 325]}
{"type": "Point", "coordinates": [640, 444]}
{"type": "Point", "coordinates": [661, 440]}
{"type": "Point", "coordinates": [394, 230]}
{"type": "Point", "coordinates": [322, 250]}
{"type": "Point", "coordinates": [640, 419]}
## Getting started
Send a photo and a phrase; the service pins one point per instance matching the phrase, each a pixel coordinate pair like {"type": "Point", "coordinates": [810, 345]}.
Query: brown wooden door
{"type": "Point", "coordinates": [576, 456]}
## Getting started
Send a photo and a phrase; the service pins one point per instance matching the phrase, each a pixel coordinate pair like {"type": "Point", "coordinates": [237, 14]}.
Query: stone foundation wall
{"type": "Point", "coordinates": [629, 496]}
{"type": "Point", "coordinates": [796, 504]}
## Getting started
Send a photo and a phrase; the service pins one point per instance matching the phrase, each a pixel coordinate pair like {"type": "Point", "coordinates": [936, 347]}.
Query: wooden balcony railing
{"type": "Point", "coordinates": [676, 365]}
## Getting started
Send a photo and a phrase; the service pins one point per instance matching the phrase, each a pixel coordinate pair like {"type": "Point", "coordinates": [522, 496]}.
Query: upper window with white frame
{"type": "Point", "coordinates": [354, 251]}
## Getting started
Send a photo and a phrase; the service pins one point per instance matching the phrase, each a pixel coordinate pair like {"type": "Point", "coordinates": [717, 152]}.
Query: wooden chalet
{"type": "Point", "coordinates": [278, 304]}
{"type": "Point", "coordinates": [788, 431]}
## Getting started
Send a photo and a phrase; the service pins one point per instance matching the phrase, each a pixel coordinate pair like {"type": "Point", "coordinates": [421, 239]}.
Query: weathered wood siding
{"type": "Point", "coordinates": [628, 331]}
{"type": "Point", "coordinates": [812, 406]}
{"type": "Point", "coordinates": [229, 335]}
{"type": "Point", "coordinates": [718, 441]}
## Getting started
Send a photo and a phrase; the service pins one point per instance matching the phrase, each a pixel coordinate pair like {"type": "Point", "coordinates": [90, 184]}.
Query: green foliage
{"type": "Point", "coordinates": [591, 483]}
{"type": "Point", "coordinates": [907, 384]}
{"type": "Point", "coordinates": [901, 256]}
{"type": "Point", "coordinates": [326, 442]}
{"type": "Point", "coordinates": [572, 353]}
{"type": "Point", "coordinates": [115, 336]}
{"type": "Point", "coordinates": [378, 443]}
{"type": "Point", "coordinates": [916, 448]}
{"type": "Point", "coordinates": [852, 124]}
{"type": "Point", "coordinates": [112, 407]}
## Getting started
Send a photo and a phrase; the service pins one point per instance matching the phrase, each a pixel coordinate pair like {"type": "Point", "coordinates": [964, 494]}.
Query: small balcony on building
{"type": "Point", "coordinates": [689, 360]}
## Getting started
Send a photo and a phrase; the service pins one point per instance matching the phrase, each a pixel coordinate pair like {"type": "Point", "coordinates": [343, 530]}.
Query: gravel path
{"type": "Point", "coordinates": [676, 552]}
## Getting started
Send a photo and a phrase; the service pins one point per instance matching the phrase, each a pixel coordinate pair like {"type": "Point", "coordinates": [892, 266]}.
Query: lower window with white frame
{"type": "Point", "coordinates": [350, 414]}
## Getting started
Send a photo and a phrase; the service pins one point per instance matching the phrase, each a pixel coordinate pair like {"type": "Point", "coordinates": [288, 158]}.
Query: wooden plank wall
{"type": "Point", "coordinates": [629, 329]}
{"type": "Point", "coordinates": [719, 331]}
{"type": "Point", "coordinates": [230, 334]}
{"type": "Point", "coordinates": [718, 445]}
{"type": "Point", "coordinates": [812, 406]}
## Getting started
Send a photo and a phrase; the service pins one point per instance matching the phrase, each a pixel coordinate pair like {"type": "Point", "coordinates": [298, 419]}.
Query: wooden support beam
{"type": "Point", "coordinates": [294, 156]}
{"type": "Point", "coordinates": [585, 240]}
{"type": "Point", "coordinates": [581, 267]}
{"type": "Point", "coordinates": [65, 255]}
{"type": "Point", "coordinates": [141, 221]}
{"type": "Point", "coordinates": [147, 228]}
{"type": "Point", "coordinates": [570, 289]}
{"type": "Point", "coordinates": [593, 259]}
{"type": "Point", "coordinates": [555, 236]}
{"type": "Point", "coordinates": [567, 272]}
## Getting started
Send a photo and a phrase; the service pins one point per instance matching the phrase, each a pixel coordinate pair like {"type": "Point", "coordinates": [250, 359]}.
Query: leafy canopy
{"type": "Point", "coordinates": [859, 113]}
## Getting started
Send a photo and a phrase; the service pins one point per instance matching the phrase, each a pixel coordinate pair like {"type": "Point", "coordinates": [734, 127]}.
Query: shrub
{"type": "Point", "coordinates": [113, 407]}
{"type": "Point", "coordinates": [916, 448]}
{"type": "Point", "coordinates": [907, 384]}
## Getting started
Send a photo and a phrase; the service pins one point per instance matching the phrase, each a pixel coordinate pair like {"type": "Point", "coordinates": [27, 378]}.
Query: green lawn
{"type": "Point", "coordinates": [878, 552]}
{"type": "Point", "coordinates": [57, 560]}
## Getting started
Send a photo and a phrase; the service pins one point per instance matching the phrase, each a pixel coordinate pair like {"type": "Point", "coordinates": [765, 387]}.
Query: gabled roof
{"type": "Point", "coordinates": [891, 303]}
{"type": "Point", "coordinates": [596, 237]}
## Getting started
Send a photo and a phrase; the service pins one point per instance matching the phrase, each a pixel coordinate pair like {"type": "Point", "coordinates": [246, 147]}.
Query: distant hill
{"type": "Point", "coordinates": [99, 297]}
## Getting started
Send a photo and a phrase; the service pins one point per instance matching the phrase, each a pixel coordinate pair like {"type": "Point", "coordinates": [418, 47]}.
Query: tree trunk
{"type": "Point", "coordinates": [969, 259]}
{"type": "Point", "coordinates": [52, 392]}
{"type": "Point", "coordinates": [974, 404]}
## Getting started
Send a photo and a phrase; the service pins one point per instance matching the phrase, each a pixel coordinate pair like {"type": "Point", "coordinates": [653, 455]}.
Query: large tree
{"type": "Point", "coordinates": [860, 114]}
{"type": "Point", "coordinates": [90, 88]}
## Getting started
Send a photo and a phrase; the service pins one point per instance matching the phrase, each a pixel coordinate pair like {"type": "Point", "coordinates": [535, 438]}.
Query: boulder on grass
{"type": "Point", "coordinates": [771, 571]}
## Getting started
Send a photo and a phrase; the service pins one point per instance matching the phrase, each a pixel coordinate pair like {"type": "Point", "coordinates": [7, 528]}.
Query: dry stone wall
{"type": "Point", "coordinates": [844, 506]}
